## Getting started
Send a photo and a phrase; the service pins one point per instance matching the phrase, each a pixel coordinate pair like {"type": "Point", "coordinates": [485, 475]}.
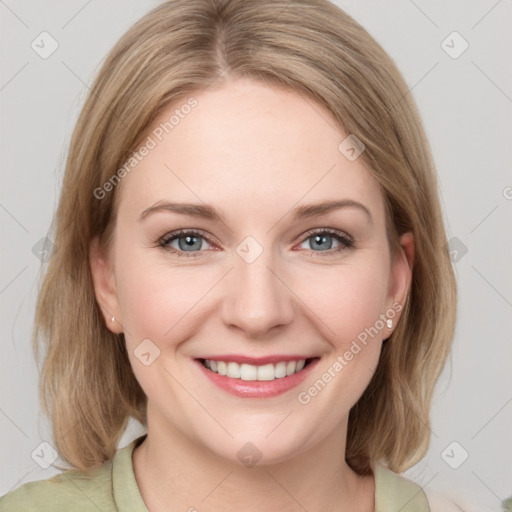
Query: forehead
{"type": "Point", "coordinates": [247, 145]}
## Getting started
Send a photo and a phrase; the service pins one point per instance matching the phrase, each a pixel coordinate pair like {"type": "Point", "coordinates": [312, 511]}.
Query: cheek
{"type": "Point", "coordinates": [346, 300]}
{"type": "Point", "coordinates": [157, 300]}
{"type": "Point", "coordinates": [161, 304]}
{"type": "Point", "coordinates": [347, 304]}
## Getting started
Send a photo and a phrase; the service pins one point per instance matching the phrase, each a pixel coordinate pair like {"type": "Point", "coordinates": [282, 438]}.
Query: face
{"type": "Point", "coordinates": [246, 243]}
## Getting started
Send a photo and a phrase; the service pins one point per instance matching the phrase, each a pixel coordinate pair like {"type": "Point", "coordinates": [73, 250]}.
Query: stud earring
{"type": "Point", "coordinates": [389, 323]}
{"type": "Point", "coordinates": [113, 319]}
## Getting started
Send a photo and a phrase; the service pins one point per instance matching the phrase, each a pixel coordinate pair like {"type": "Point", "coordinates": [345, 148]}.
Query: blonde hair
{"type": "Point", "coordinates": [312, 47]}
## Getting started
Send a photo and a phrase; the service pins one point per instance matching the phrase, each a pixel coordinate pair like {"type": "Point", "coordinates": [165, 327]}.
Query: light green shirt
{"type": "Point", "coordinates": [113, 488]}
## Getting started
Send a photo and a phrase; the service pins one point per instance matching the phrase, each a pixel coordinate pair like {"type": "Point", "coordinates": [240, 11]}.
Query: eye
{"type": "Point", "coordinates": [327, 240]}
{"type": "Point", "coordinates": [191, 243]}
{"type": "Point", "coordinates": [182, 242]}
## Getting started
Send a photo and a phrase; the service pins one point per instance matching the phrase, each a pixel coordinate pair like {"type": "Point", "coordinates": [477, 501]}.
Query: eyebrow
{"type": "Point", "coordinates": [205, 211]}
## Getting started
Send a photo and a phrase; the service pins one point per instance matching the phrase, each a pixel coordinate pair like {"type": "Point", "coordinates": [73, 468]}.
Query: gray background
{"type": "Point", "coordinates": [466, 105]}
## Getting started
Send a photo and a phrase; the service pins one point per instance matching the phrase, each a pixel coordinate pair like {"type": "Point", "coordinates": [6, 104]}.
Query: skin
{"type": "Point", "coordinates": [254, 152]}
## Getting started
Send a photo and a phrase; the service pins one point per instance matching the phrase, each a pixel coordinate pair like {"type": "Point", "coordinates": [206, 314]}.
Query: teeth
{"type": "Point", "coordinates": [291, 367]}
{"type": "Point", "coordinates": [248, 372]}
{"type": "Point", "coordinates": [264, 372]}
{"type": "Point", "coordinates": [233, 370]}
{"type": "Point", "coordinates": [280, 370]}
{"type": "Point", "coordinates": [222, 368]}
{"type": "Point", "coordinates": [267, 372]}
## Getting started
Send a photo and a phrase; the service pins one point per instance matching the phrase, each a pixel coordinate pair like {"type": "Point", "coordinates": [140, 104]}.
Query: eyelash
{"type": "Point", "coordinates": [345, 241]}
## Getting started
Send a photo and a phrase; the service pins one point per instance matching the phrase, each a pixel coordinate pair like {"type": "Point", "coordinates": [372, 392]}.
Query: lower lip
{"type": "Point", "coordinates": [256, 388]}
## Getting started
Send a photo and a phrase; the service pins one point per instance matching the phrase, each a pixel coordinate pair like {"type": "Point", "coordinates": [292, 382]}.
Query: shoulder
{"type": "Point", "coordinates": [86, 492]}
{"type": "Point", "coordinates": [395, 492]}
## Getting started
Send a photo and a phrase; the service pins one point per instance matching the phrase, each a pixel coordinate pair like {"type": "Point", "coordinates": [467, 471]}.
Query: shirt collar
{"type": "Point", "coordinates": [124, 485]}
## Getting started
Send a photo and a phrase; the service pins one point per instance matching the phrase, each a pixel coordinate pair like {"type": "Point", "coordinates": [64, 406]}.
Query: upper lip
{"type": "Point", "coordinates": [258, 361]}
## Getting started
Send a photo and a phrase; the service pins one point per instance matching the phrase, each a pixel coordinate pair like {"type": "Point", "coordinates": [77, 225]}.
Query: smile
{"type": "Point", "coordinates": [250, 372]}
{"type": "Point", "coordinates": [256, 378]}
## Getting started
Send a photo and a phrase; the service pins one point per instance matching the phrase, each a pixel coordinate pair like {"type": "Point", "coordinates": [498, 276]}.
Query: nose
{"type": "Point", "coordinates": [256, 298]}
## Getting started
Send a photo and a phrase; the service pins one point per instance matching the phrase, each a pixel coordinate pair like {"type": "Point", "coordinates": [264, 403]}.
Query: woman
{"type": "Point", "coordinates": [251, 262]}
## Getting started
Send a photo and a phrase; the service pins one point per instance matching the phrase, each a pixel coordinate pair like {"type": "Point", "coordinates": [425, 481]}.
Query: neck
{"type": "Point", "coordinates": [174, 473]}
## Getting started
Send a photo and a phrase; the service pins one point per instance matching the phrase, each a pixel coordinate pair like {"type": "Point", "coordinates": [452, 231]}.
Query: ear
{"type": "Point", "coordinates": [104, 286]}
{"type": "Point", "coordinates": [401, 275]}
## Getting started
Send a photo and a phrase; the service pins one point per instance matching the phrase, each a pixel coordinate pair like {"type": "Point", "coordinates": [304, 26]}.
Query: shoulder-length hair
{"type": "Point", "coordinates": [312, 47]}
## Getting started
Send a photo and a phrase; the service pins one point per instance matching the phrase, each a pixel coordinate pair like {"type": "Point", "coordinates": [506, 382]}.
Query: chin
{"type": "Point", "coordinates": [262, 447]}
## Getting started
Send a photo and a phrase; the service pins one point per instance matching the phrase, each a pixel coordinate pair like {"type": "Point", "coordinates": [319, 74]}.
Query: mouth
{"type": "Point", "coordinates": [252, 372]}
{"type": "Point", "coordinates": [256, 378]}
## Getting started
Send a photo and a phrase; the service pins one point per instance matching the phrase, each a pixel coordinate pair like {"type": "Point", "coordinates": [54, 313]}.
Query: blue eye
{"type": "Point", "coordinates": [183, 242]}
{"type": "Point", "coordinates": [192, 243]}
{"type": "Point", "coordinates": [327, 240]}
